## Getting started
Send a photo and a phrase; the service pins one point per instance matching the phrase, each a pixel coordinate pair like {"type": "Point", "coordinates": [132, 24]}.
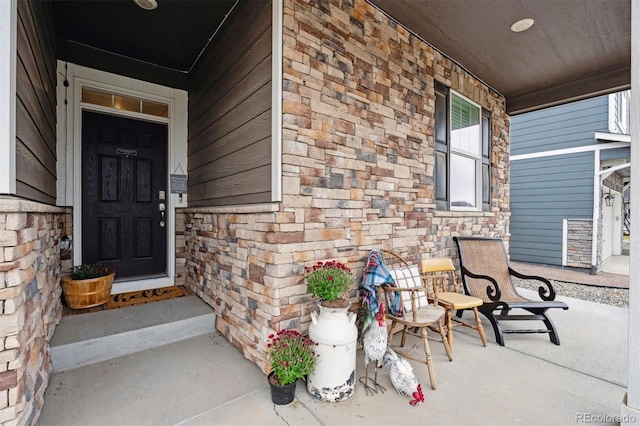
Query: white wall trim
{"type": "Point", "coordinates": [276, 100]}
{"type": "Point", "coordinates": [587, 148]}
{"type": "Point", "coordinates": [565, 240]}
{"type": "Point", "coordinates": [612, 137]}
{"type": "Point", "coordinates": [606, 172]}
{"type": "Point", "coordinates": [8, 57]}
{"type": "Point", "coordinates": [596, 210]}
{"type": "Point", "coordinates": [70, 135]}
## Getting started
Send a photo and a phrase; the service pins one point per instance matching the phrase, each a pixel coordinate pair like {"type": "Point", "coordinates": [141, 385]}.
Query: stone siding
{"type": "Point", "coordinates": [31, 306]}
{"type": "Point", "coordinates": [579, 242]}
{"type": "Point", "coordinates": [358, 166]}
{"type": "Point", "coordinates": [181, 260]}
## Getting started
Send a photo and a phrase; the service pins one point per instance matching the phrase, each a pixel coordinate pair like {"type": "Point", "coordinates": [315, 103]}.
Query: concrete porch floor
{"type": "Point", "coordinates": [206, 381]}
{"type": "Point", "coordinates": [616, 265]}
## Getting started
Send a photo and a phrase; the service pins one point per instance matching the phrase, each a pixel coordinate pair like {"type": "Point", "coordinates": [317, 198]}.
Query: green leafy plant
{"type": "Point", "coordinates": [292, 355]}
{"type": "Point", "coordinates": [328, 280]}
{"type": "Point", "coordinates": [90, 270]}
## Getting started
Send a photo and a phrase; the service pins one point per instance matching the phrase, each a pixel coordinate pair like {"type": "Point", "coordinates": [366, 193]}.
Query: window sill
{"type": "Point", "coordinates": [461, 213]}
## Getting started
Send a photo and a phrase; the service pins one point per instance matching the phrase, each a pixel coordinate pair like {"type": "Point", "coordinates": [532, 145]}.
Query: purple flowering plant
{"type": "Point", "coordinates": [292, 355]}
{"type": "Point", "coordinates": [328, 280]}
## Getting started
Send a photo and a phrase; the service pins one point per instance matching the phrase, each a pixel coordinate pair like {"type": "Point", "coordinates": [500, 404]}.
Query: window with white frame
{"type": "Point", "coordinates": [620, 112]}
{"type": "Point", "coordinates": [462, 152]}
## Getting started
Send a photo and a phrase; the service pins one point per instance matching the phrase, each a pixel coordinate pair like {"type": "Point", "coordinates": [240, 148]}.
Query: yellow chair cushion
{"type": "Point", "coordinates": [436, 264]}
{"type": "Point", "coordinates": [459, 301]}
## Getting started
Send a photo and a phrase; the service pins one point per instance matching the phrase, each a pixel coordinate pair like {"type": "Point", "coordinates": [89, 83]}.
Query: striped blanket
{"type": "Point", "coordinates": [377, 274]}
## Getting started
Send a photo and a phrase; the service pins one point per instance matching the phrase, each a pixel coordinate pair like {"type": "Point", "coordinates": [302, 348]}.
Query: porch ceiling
{"type": "Point", "coordinates": [576, 48]}
{"type": "Point", "coordinates": [171, 36]}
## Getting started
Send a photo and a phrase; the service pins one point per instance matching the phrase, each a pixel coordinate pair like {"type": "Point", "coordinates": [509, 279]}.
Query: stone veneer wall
{"type": "Point", "coordinates": [31, 306]}
{"type": "Point", "coordinates": [358, 165]}
{"type": "Point", "coordinates": [181, 260]}
{"type": "Point", "coordinates": [579, 240]}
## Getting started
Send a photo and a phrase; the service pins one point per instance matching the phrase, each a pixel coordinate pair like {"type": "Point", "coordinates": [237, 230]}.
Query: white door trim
{"type": "Point", "coordinates": [70, 153]}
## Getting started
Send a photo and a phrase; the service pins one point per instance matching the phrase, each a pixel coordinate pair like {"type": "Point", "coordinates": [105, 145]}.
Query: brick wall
{"type": "Point", "coordinates": [358, 104]}
{"type": "Point", "coordinates": [30, 305]}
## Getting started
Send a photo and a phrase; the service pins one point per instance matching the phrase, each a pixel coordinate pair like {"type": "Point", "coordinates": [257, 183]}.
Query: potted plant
{"type": "Point", "coordinates": [329, 281]}
{"type": "Point", "coordinates": [334, 329]}
{"type": "Point", "coordinates": [88, 285]}
{"type": "Point", "coordinates": [292, 357]}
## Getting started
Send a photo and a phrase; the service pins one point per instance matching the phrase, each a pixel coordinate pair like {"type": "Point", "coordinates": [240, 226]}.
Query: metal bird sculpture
{"type": "Point", "coordinates": [374, 345]}
{"type": "Point", "coordinates": [402, 377]}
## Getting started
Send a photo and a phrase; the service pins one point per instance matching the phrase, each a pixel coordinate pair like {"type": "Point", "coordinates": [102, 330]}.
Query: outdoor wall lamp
{"type": "Point", "coordinates": [608, 199]}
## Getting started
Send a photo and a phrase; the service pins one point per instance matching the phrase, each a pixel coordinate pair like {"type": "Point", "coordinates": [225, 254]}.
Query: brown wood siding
{"type": "Point", "coordinates": [36, 103]}
{"type": "Point", "coordinates": [230, 112]}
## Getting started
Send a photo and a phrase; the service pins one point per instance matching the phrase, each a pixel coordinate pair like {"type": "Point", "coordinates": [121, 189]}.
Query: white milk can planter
{"type": "Point", "coordinates": [335, 332]}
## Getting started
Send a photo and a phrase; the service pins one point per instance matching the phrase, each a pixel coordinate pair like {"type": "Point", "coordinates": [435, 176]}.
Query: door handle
{"type": "Point", "coordinates": [161, 207]}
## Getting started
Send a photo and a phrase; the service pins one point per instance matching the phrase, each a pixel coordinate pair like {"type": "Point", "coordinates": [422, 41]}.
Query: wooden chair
{"type": "Point", "coordinates": [418, 311]}
{"type": "Point", "coordinates": [486, 274]}
{"type": "Point", "coordinates": [440, 274]}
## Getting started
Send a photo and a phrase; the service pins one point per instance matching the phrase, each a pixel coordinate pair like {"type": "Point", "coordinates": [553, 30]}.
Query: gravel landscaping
{"type": "Point", "coordinates": [607, 295]}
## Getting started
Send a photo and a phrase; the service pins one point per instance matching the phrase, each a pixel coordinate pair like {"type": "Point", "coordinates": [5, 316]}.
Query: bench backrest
{"type": "Point", "coordinates": [485, 256]}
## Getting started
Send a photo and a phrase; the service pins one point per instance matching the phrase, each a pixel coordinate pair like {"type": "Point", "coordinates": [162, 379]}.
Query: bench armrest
{"type": "Point", "coordinates": [547, 293]}
{"type": "Point", "coordinates": [493, 293]}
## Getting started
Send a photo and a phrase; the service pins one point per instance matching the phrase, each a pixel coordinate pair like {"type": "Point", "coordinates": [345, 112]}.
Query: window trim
{"type": "Point", "coordinates": [443, 147]}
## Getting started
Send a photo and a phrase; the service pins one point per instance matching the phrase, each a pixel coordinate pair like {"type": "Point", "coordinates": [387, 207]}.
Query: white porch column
{"type": "Point", "coordinates": [631, 405]}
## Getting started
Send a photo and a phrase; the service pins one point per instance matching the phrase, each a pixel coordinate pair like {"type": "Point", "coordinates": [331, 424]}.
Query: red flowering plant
{"type": "Point", "coordinates": [292, 355]}
{"type": "Point", "coordinates": [328, 280]}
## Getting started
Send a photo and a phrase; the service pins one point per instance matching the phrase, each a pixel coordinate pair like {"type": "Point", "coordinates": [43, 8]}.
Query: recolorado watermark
{"type": "Point", "coordinates": [605, 418]}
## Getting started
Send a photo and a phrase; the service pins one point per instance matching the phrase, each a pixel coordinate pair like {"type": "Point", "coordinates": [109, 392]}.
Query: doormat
{"type": "Point", "coordinates": [123, 300]}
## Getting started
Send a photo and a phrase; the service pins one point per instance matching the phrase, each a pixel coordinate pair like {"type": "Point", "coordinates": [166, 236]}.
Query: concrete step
{"type": "Point", "coordinates": [94, 337]}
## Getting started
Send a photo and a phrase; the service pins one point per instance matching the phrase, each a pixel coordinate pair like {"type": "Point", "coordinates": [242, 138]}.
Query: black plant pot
{"type": "Point", "coordinates": [281, 395]}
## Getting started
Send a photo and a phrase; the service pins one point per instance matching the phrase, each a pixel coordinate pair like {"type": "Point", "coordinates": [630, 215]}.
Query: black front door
{"type": "Point", "coordinates": [124, 176]}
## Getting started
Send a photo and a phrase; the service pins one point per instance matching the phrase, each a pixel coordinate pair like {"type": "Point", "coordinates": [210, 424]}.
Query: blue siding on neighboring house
{"type": "Point", "coordinates": [614, 154]}
{"type": "Point", "coordinates": [546, 190]}
{"type": "Point", "coordinates": [566, 126]}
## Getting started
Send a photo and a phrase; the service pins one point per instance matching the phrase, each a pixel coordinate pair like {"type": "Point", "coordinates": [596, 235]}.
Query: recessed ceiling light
{"type": "Point", "coordinates": [522, 25]}
{"type": "Point", "coordinates": [147, 4]}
